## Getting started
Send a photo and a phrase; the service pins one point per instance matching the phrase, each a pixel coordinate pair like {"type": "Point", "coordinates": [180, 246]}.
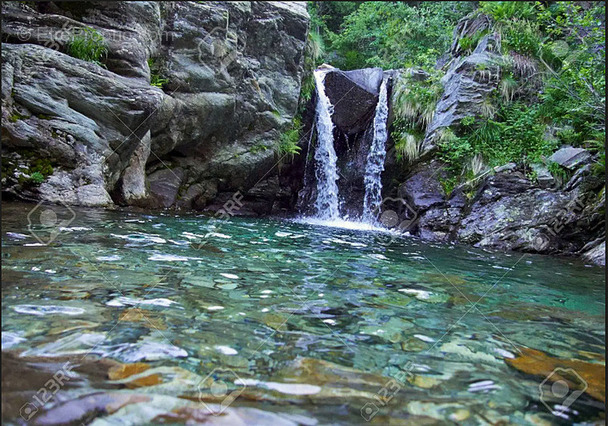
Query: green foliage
{"type": "Point", "coordinates": [260, 147]}
{"type": "Point", "coordinates": [88, 44]}
{"type": "Point", "coordinates": [552, 74]}
{"type": "Point", "coordinates": [559, 173]}
{"type": "Point", "coordinates": [448, 184]}
{"type": "Point", "coordinates": [407, 144]}
{"type": "Point", "coordinates": [467, 121]}
{"type": "Point", "coordinates": [156, 77]}
{"type": "Point", "coordinates": [507, 10]}
{"type": "Point", "coordinates": [42, 166]}
{"type": "Point", "coordinates": [395, 34]}
{"type": "Point", "coordinates": [37, 177]}
{"type": "Point", "coordinates": [508, 86]}
{"type": "Point", "coordinates": [415, 100]}
{"type": "Point", "coordinates": [288, 143]}
{"type": "Point", "coordinates": [16, 116]}
{"type": "Point", "coordinates": [515, 135]}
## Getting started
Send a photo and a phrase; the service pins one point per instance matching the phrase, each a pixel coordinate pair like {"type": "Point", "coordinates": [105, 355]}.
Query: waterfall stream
{"type": "Point", "coordinates": [375, 160]}
{"type": "Point", "coordinates": [326, 204]}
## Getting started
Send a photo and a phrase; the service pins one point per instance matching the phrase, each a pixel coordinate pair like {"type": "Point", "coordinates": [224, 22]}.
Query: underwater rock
{"type": "Point", "coordinates": [535, 362]}
{"type": "Point", "coordinates": [147, 318]}
{"type": "Point", "coordinates": [120, 372]}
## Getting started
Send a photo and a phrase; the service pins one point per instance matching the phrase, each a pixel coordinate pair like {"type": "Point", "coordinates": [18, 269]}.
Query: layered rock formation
{"type": "Point", "coordinates": [230, 76]}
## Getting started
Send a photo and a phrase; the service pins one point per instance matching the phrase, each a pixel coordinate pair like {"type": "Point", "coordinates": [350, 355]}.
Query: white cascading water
{"type": "Point", "coordinates": [326, 204]}
{"type": "Point", "coordinates": [375, 160]}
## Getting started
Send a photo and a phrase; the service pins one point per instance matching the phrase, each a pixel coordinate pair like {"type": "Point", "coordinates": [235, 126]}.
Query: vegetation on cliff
{"type": "Point", "coordinates": [551, 83]}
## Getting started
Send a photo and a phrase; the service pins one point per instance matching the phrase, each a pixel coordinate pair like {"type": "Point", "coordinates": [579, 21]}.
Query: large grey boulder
{"type": "Point", "coordinates": [422, 190]}
{"type": "Point", "coordinates": [354, 95]}
{"type": "Point", "coordinates": [597, 254]}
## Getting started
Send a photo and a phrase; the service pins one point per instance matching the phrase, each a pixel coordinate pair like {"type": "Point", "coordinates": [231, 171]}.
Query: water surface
{"type": "Point", "coordinates": [302, 324]}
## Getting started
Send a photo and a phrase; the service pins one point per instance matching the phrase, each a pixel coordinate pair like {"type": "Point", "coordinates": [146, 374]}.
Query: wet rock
{"type": "Point", "coordinates": [468, 81]}
{"type": "Point", "coordinates": [149, 349]}
{"type": "Point", "coordinates": [147, 318]}
{"type": "Point", "coordinates": [232, 85]}
{"type": "Point", "coordinates": [570, 157]}
{"type": "Point", "coordinates": [438, 224]}
{"type": "Point", "coordinates": [74, 344]}
{"type": "Point", "coordinates": [543, 176]}
{"type": "Point", "coordinates": [10, 339]}
{"type": "Point", "coordinates": [422, 190]}
{"type": "Point", "coordinates": [22, 376]}
{"type": "Point", "coordinates": [597, 254]}
{"type": "Point", "coordinates": [133, 185]}
{"type": "Point", "coordinates": [164, 186]}
{"type": "Point", "coordinates": [87, 406]}
{"type": "Point", "coordinates": [78, 135]}
{"type": "Point", "coordinates": [354, 95]}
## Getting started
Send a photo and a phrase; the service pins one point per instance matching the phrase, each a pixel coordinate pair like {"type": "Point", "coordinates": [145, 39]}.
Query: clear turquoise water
{"type": "Point", "coordinates": [260, 295]}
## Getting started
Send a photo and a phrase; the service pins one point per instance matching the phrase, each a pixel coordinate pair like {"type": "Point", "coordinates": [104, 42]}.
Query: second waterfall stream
{"type": "Point", "coordinates": [375, 160]}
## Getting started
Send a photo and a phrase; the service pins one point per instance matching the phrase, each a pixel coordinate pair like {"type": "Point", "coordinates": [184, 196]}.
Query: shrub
{"type": "Point", "coordinates": [507, 10]}
{"type": "Point", "coordinates": [37, 177]}
{"type": "Point", "coordinates": [88, 44]}
{"type": "Point", "coordinates": [156, 77]}
{"type": "Point", "coordinates": [415, 101]}
{"type": "Point", "coordinates": [407, 145]}
{"type": "Point", "coordinates": [288, 142]}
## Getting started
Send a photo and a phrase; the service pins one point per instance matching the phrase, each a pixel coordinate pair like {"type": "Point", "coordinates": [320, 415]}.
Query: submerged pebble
{"type": "Point", "coordinates": [41, 310]}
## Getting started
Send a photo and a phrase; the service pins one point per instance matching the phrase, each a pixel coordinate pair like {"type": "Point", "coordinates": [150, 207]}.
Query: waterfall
{"type": "Point", "coordinates": [326, 204]}
{"type": "Point", "coordinates": [375, 160]}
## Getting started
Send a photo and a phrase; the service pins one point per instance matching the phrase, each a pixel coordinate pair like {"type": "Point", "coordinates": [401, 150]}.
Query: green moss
{"type": "Point", "coordinates": [259, 147]}
{"type": "Point", "coordinates": [37, 177]}
{"type": "Point", "coordinates": [16, 116]}
{"type": "Point", "coordinates": [448, 185]}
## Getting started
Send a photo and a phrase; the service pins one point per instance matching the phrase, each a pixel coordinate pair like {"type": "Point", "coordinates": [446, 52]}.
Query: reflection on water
{"type": "Point", "coordinates": [176, 318]}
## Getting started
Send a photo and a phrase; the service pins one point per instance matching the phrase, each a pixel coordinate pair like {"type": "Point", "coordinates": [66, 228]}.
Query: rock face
{"type": "Point", "coordinates": [510, 212]}
{"type": "Point", "coordinates": [570, 157]}
{"type": "Point", "coordinates": [231, 73]}
{"type": "Point", "coordinates": [469, 79]}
